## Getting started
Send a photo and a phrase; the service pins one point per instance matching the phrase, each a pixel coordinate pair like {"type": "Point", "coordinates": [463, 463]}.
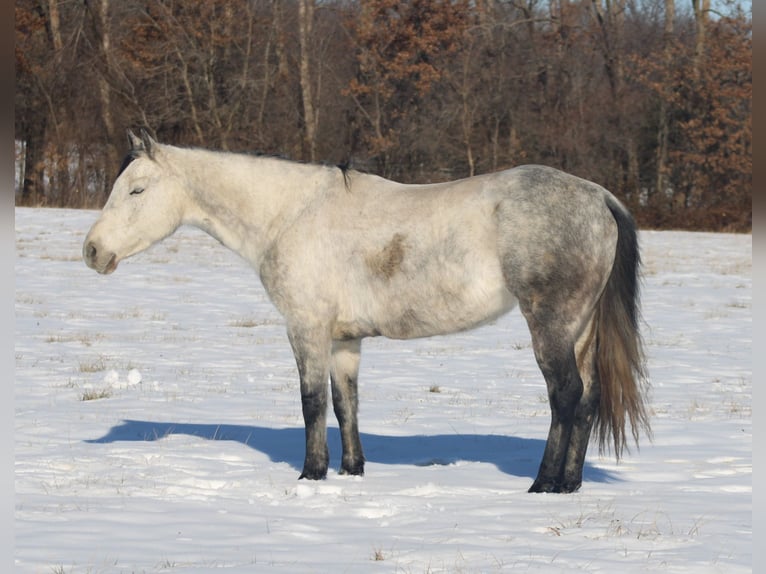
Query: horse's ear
{"type": "Point", "coordinates": [144, 142]}
{"type": "Point", "coordinates": [135, 142]}
{"type": "Point", "coordinates": [148, 142]}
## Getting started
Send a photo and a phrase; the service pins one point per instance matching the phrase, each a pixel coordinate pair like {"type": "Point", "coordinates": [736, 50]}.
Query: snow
{"type": "Point", "coordinates": [158, 428]}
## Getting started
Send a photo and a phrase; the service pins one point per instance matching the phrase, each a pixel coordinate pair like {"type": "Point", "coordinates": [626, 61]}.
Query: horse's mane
{"type": "Point", "coordinates": [133, 154]}
{"type": "Point", "coordinates": [344, 167]}
{"type": "Point", "coordinates": [345, 170]}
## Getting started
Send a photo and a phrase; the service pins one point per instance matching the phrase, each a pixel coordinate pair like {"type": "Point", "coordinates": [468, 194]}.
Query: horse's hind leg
{"type": "Point", "coordinates": [556, 359]}
{"type": "Point", "coordinates": [585, 413]}
{"type": "Point", "coordinates": [343, 376]}
{"type": "Point", "coordinates": [573, 391]}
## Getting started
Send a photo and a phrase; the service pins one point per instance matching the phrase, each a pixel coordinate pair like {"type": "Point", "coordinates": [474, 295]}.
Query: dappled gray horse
{"type": "Point", "coordinates": [345, 255]}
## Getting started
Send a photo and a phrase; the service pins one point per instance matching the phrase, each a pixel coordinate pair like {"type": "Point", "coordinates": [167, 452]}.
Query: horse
{"type": "Point", "coordinates": [345, 255]}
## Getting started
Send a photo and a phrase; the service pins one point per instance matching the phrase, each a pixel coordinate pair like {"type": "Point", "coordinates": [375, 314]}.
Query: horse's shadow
{"type": "Point", "coordinates": [512, 455]}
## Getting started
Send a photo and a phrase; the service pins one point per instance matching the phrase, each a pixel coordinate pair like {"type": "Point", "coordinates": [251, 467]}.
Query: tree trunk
{"type": "Point", "coordinates": [306, 25]}
{"type": "Point", "coordinates": [54, 23]}
{"type": "Point", "coordinates": [32, 190]}
{"type": "Point", "coordinates": [190, 96]}
{"type": "Point", "coordinates": [701, 10]}
{"type": "Point", "coordinates": [281, 43]}
{"type": "Point", "coordinates": [611, 20]}
{"type": "Point", "coordinates": [663, 127]}
{"type": "Point", "coordinates": [105, 91]}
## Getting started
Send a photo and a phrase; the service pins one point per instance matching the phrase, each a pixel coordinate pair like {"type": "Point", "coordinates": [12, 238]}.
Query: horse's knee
{"type": "Point", "coordinates": [314, 405]}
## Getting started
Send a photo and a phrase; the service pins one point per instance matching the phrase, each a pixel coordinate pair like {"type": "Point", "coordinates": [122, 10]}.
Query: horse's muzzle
{"type": "Point", "coordinates": [104, 263]}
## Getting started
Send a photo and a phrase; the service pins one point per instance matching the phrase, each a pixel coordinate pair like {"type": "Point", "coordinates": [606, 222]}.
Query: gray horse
{"type": "Point", "coordinates": [345, 255]}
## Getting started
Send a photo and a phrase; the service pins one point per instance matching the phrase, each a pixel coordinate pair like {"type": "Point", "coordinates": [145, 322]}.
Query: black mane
{"type": "Point", "coordinates": [126, 162]}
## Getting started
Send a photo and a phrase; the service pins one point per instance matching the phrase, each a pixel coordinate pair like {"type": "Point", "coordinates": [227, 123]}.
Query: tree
{"type": "Point", "coordinates": [714, 151]}
{"type": "Point", "coordinates": [32, 46]}
{"type": "Point", "coordinates": [701, 16]}
{"type": "Point", "coordinates": [650, 101]}
{"type": "Point", "coordinates": [665, 95]}
{"type": "Point", "coordinates": [400, 50]}
{"type": "Point", "coordinates": [705, 124]}
{"type": "Point", "coordinates": [310, 116]}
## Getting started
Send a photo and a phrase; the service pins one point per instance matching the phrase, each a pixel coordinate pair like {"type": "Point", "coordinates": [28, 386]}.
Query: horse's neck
{"type": "Point", "coordinates": [245, 202]}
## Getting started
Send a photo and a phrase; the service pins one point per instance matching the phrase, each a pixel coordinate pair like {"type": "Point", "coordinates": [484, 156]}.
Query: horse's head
{"type": "Point", "coordinates": [145, 206]}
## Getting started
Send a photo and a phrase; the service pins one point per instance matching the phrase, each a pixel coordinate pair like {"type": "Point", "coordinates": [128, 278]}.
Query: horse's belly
{"type": "Point", "coordinates": [437, 314]}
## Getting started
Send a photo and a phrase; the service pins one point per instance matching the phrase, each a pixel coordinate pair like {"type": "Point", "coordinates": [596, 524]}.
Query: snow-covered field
{"type": "Point", "coordinates": [158, 428]}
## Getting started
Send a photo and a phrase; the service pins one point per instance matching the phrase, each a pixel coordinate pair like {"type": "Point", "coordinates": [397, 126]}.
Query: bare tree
{"type": "Point", "coordinates": [663, 126]}
{"type": "Point", "coordinates": [100, 15]}
{"type": "Point", "coordinates": [701, 14]}
{"type": "Point", "coordinates": [310, 112]}
{"type": "Point", "coordinates": [421, 90]}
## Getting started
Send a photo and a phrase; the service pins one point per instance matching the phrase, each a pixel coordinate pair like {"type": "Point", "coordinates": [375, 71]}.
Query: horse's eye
{"type": "Point", "coordinates": [137, 191]}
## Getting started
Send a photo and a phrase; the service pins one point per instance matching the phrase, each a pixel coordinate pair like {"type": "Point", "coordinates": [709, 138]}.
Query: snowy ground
{"type": "Point", "coordinates": [158, 428]}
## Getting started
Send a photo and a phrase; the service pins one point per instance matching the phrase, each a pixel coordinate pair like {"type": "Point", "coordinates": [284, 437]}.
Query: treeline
{"type": "Point", "coordinates": [650, 98]}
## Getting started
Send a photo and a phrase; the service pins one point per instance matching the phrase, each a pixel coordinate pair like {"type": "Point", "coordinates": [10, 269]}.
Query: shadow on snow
{"type": "Point", "coordinates": [512, 455]}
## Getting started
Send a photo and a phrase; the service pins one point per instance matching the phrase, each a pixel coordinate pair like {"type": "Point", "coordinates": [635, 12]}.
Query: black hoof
{"type": "Point", "coordinates": [313, 474]}
{"type": "Point", "coordinates": [543, 486]}
{"type": "Point", "coordinates": [353, 469]}
{"type": "Point", "coordinates": [555, 487]}
{"type": "Point", "coordinates": [569, 487]}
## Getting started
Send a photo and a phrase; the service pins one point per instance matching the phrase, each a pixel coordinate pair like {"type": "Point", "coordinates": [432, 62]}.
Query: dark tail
{"type": "Point", "coordinates": [620, 362]}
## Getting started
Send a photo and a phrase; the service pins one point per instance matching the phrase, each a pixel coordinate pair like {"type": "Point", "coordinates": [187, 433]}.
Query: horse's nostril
{"type": "Point", "coordinates": [90, 251]}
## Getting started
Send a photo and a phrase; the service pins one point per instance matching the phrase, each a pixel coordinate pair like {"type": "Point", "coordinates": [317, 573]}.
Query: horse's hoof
{"type": "Point", "coordinates": [544, 486]}
{"type": "Point", "coordinates": [356, 469]}
{"type": "Point", "coordinates": [313, 474]}
{"type": "Point", "coordinates": [569, 487]}
{"type": "Point", "coordinates": [555, 487]}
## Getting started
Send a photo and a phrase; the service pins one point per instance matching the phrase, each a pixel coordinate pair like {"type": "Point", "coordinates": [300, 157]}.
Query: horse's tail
{"type": "Point", "coordinates": [620, 363]}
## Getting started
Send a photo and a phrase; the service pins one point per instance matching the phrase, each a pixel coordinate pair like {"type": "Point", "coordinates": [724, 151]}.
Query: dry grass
{"type": "Point", "coordinates": [93, 366]}
{"type": "Point", "coordinates": [378, 555]}
{"type": "Point", "coordinates": [86, 339]}
{"type": "Point", "coordinates": [250, 322]}
{"type": "Point", "coordinates": [96, 394]}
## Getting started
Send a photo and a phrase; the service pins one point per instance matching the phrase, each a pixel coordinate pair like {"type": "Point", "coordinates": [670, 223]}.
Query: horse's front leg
{"type": "Point", "coordinates": [343, 376]}
{"type": "Point", "coordinates": [312, 355]}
